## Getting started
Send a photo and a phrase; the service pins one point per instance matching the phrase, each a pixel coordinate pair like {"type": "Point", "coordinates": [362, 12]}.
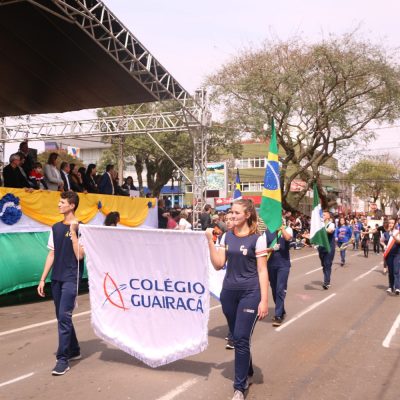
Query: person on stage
{"type": "Point", "coordinates": [62, 259]}
{"type": "Point", "coordinates": [325, 256]}
{"type": "Point", "coordinates": [278, 269]}
{"type": "Point", "coordinates": [244, 295]}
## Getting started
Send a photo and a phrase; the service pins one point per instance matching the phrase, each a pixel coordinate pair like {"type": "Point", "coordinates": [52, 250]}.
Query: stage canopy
{"type": "Point", "coordinates": [66, 55]}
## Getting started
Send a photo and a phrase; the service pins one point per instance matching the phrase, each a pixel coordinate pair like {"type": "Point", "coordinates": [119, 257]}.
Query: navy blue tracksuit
{"type": "Point", "coordinates": [327, 258]}
{"type": "Point", "coordinates": [278, 272]}
{"type": "Point", "coordinates": [64, 280]}
{"type": "Point", "coordinates": [241, 296]}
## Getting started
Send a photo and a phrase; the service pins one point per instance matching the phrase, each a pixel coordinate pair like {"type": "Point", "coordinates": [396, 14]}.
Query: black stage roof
{"type": "Point", "coordinates": [48, 64]}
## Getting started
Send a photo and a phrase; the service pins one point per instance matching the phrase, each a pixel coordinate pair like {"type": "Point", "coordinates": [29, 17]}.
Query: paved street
{"type": "Point", "coordinates": [335, 344]}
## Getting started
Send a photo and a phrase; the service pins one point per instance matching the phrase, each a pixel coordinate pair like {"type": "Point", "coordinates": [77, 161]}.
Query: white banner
{"type": "Point", "coordinates": [149, 291]}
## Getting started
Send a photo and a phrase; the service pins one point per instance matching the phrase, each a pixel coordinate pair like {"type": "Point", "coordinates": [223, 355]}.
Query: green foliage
{"type": "Point", "coordinates": [322, 96]}
{"type": "Point", "coordinates": [376, 178]}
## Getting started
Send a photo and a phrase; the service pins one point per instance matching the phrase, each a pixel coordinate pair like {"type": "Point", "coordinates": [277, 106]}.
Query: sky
{"type": "Point", "coordinates": [192, 39]}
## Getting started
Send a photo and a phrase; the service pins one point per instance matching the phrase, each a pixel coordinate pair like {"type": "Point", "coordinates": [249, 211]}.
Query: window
{"type": "Point", "coordinates": [258, 162]}
{"type": "Point", "coordinates": [189, 188]}
{"type": "Point", "coordinates": [247, 187]}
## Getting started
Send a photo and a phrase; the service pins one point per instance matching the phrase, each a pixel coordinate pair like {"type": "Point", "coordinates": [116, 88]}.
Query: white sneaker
{"type": "Point", "coordinates": [389, 290]}
{"type": "Point", "coordinates": [397, 291]}
{"type": "Point", "coordinates": [238, 395]}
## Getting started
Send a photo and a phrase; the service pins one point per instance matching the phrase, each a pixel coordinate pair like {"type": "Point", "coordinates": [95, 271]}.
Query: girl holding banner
{"type": "Point", "coordinates": [245, 289]}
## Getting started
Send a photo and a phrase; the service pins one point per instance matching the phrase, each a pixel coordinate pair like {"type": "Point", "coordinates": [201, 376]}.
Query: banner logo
{"type": "Point", "coordinates": [111, 296]}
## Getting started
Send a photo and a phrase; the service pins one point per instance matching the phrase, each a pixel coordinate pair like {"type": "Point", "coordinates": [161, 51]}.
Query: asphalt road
{"type": "Point", "coordinates": [335, 344]}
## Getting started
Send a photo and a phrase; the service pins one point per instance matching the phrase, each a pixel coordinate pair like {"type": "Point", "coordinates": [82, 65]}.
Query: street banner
{"type": "Point", "coordinates": [149, 291]}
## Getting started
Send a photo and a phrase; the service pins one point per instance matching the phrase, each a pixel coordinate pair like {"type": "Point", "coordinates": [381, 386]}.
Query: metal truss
{"type": "Point", "coordinates": [126, 125]}
{"type": "Point", "coordinates": [107, 126]}
{"type": "Point", "coordinates": [98, 22]}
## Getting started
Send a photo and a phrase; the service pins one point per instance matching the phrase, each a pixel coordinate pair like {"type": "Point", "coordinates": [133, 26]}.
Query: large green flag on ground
{"type": "Point", "coordinates": [318, 234]}
{"type": "Point", "coordinates": [271, 202]}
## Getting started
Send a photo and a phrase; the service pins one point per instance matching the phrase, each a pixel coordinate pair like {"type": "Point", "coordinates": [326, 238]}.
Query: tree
{"type": "Point", "coordinates": [322, 96]}
{"type": "Point", "coordinates": [140, 150]}
{"type": "Point", "coordinates": [375, 178]}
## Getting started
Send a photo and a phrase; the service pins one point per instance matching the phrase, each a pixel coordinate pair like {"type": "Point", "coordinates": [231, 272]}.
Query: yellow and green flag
{"type": "Point", "coordinates": [271, 202]}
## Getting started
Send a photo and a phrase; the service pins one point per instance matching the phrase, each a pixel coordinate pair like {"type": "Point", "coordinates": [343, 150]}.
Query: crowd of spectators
{"type": "Point", "coordinates": [25, 172]}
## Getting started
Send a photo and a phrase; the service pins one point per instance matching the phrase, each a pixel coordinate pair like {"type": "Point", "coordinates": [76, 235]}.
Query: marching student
{"type": "Point", "coordinates": [365, 232]}
{"type": "Point", "coordinates": [325, 256]}
{"type": "Point", "coordinates": [244, 295]}
{"type": "Point", "coordinates": [66, 274]}
{"type": "Point", "coordinates": [392, 257]}
{"type": "Point", "coordinates": [278, 269]}
{"type": "Point", "coordinates": [343, 235]}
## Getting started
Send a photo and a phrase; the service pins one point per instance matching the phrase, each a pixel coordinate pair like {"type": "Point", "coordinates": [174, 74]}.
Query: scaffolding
{"type": "Point", "coordinates": [92, 19]}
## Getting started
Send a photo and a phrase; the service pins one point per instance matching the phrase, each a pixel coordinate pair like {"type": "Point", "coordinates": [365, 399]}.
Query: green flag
{"type": "Point", "coordinates": [318, 234]}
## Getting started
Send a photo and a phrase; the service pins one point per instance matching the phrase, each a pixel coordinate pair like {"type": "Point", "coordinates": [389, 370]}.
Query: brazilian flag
{"type": "Point", "coordinates": [271, 202]}
{"type": "Point", "coordinates": [237, 194]}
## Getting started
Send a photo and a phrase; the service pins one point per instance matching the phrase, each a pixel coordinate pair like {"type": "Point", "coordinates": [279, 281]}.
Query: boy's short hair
{"type": "Point", "coordinates": [71, 197]}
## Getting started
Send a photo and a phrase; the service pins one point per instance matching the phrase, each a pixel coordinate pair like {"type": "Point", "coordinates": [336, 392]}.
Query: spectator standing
{"type": "Point", "coordinates": [52, 174]}
{"type": "Point", "coordinates": [29, 161]}
{"type": "Point", "coordinates": [106, 185]}
{"type": "Point", "coordinates": [205, 217]}
{"type": "Point", "coordinates": [64, 172]}
{"type": "Point", "coordinates": [89, 182]}
{"type": "Point", "coordinates": [162, 215]}
{"type": "Point", "coordinates": [75, 178]}
{"type": "Point", "coordinates": [184, 224]}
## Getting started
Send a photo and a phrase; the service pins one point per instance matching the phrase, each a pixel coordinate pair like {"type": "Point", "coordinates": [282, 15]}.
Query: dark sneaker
{"type": "Point", "coordinates": [60, 369]}
{"type": "Point", "coordinates": [326, 286]}
{"type": "Point", "coordinates": [277, 321]}
{"type": "Point", "coordinates": [230, 345]}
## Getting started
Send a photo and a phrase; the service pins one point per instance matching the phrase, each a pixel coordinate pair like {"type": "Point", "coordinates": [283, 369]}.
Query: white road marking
{"type": "Point", "coordinates": [180, 389]}
{"type": "Point", "coordinates": [307, 310]}
{"type": "Point", "coordinates": [365, 274]}
{"type": "Point", "coordinates": [314, 270]}
{"type": "Point", "coordinates": [51, 321]}
{"type": "Point", "coordinates": [392, 332]}
{"type": "Point", "coordinates": [17, 379]}
{"type": "Point", "coordinates": [300, 258]}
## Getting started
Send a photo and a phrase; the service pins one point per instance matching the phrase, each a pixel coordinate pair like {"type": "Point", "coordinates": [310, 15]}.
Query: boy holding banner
{"type": "Point", "coordinates": [63, 257]}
